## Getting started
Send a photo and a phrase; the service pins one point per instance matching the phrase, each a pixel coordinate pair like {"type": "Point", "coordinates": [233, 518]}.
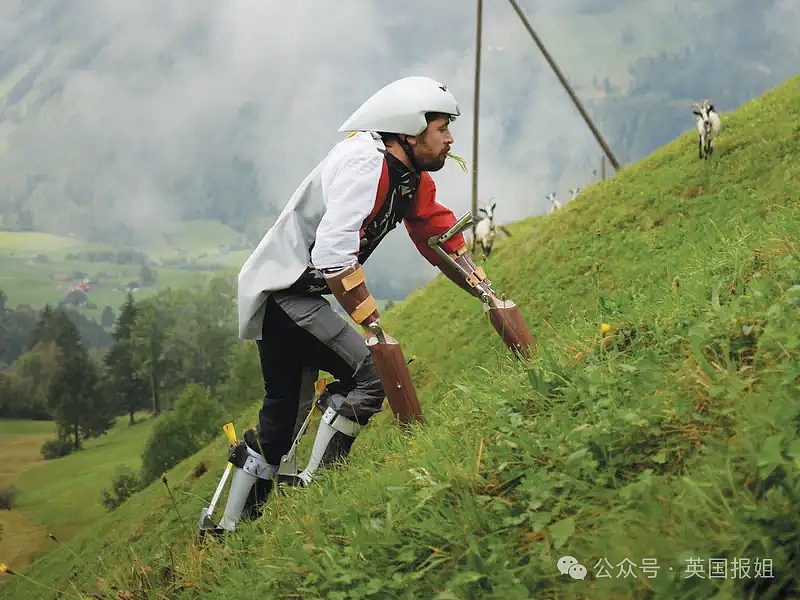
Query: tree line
{"type": "Point", "coordinates": [160, 345]}
{"type": "Point", "coordinates": [17, 326]}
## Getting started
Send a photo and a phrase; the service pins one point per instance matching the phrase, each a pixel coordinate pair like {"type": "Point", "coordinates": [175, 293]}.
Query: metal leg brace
{"type": "Point", "coordinates": [251, 472]}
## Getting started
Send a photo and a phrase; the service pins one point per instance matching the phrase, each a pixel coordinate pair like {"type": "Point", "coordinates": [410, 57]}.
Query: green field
{"type": "Point", "coordinates": [35, 285]}
{"type": "Point", "coordinates": [196, 238]}
{"type": "Point", "coordinates": [61, 496]}
{"type": "Point", "coordinates": [66, 504]}
{"type": "Point", "coordinates": [31, 243]}
{"type": "Point", "coordinates": [674, 437]}
{"type": "Point", "coordinates": [21, 537]}
{"type": "Point", "coordinates": [28, 280]}
{"type": "Point", "coordinates": [13, 427]}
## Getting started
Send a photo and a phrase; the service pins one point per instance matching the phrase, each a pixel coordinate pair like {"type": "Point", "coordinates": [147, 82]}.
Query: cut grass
{"type": "Point", "coordinates": [14, 427]}
{"type": "Point", "coordinates": [66, 504]}
{"type": "Point", "coordinates": [22, 540]}
{"type": "Point", "coordinates": [20, 440]}
{"type": "Point", "coordinates": [58, 496]}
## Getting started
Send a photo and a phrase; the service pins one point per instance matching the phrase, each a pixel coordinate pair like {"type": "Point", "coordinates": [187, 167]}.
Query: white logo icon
{"type": "Point", "coordinates": [577, 571]}
{"type": "Point", "coordinates": [570, 564]}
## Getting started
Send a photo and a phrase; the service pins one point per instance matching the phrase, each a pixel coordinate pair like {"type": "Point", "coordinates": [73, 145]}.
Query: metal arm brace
{"type": "Point", "coordinates": [435, 242]}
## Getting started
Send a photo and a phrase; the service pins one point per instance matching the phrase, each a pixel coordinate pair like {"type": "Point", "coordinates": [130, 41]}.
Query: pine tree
{"type": "Point", "coordinates": [42, 332]}
{"type": "Point", "coordinates": [124, 381]}
{"type": "Point", "coordinates": [55, 326]}
{"type": "Point", "coordinates": [74, 397]}
{"type": "Point", "coordinates": [149, 345]}
{"type": "Point", "coordinates": [3, 327]}
{"type": "Point", "coordinates": [107, 317]}
{"type": "Point", "coordinates": [67, 397]}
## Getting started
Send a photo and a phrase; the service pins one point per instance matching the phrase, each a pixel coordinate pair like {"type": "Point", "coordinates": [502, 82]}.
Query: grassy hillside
{"type": "Point", "coordinates": [673, 438]}
{"type": "Point", "coordinates": [200, 238]}
{"type": "Point", "coordinates": [59, 496]}
{"type": "Point", "coordinates": [20, 535]}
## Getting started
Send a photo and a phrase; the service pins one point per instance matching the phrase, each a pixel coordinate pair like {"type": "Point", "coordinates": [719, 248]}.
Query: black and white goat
{"type": "Point", "coordinates": [556, 205]}
{"type": "Point", "coordinates": [708, 127]}
{"type": "Point", "coordinates": [574, 192]}
{"type": "Point", "coordinates": [485, 230]}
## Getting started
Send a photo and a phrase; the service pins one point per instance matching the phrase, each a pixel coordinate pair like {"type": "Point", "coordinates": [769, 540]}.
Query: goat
{"type": "Point", "coordinates": [485, 230]}
{"type": "Point", "coordinates": [708, 127]}
{"type": "Point", "coordinates": [556, 204]}
{"type": "Point", "coordinates": [574, 193]}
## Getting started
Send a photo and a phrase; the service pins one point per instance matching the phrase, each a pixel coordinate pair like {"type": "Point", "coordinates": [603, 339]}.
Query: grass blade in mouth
{"type": "Point", "coordinates": [461, 162]}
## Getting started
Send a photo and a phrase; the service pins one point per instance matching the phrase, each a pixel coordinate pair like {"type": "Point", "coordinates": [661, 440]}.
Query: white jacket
{"type": "Point", "coordinates": [321, 226]}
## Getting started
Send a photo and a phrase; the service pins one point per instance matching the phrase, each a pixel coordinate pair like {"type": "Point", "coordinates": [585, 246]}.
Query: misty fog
{"type": "Point", "coordinates": [133, 114]}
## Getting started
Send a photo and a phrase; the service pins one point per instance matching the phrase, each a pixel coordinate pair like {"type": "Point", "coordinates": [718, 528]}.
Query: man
{"type": "Point", "coordinates": [368, 183]}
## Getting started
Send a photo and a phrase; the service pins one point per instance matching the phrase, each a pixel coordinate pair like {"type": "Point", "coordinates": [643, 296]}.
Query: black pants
{"type": "Point", "coordinates": [301, 335]}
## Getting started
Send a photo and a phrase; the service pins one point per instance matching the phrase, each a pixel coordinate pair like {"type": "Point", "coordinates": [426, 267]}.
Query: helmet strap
{"type": "Point", "coordinates": [403, 142]}
{"type": "Point", "coordinates": [409, 152]}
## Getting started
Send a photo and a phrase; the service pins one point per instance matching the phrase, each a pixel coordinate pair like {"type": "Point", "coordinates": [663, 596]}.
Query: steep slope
{"type": "Point", "coordinates": [674, 439]}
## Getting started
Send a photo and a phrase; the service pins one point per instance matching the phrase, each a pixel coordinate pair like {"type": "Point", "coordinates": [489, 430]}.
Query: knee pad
{"type": "Point", "coordinates": [250, 484]}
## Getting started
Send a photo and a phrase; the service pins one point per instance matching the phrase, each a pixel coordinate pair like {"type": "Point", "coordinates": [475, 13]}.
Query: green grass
{"type": "Point", "coordinates": [61, 496]}
{"type": "Point", "coordinates": [66, 504]}
{"type": "Point", "coordinates": [31, 243]}
{"type": "Point", "coordinates": [12, 427]}
{"type": "Point", "coordinates": [21, 537]}
{"type": "Point", "coordinates": [233, 259]}
{"type": "Point", "coordinates": [675, 437]}
{"type": "Point", "coordinates": [198, 237]}
{"type": "Point", "coordinates": [193, 237]}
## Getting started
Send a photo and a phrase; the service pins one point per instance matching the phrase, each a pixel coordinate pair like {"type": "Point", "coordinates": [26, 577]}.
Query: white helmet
{"type": "Point", "coordinates": [400, 107]}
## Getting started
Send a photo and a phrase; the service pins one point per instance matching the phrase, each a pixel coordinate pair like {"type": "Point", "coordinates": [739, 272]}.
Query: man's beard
{"type": "Point", "coordinates": [431, 164]}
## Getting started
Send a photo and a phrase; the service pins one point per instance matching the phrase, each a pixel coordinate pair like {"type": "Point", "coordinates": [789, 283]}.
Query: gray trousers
{"type": "Point", "coordinates": [302, 335]}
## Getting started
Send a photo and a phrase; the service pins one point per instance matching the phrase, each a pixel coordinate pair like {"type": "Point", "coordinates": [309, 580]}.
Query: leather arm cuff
{"type": "Point", "coordinates": [350, 289]}
{"type": "Point", "coordinates": [475, 282]}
